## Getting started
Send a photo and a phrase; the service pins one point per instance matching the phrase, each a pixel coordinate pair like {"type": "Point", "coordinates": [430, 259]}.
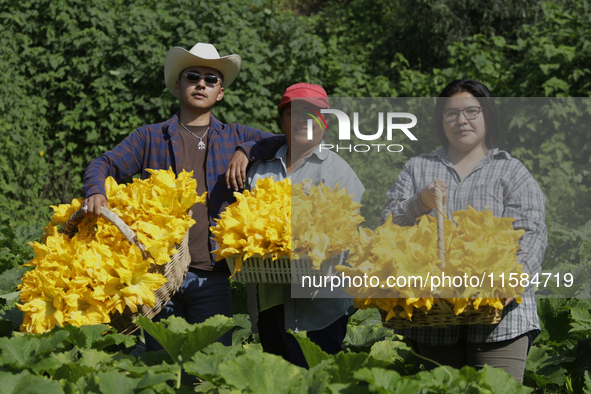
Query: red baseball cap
{"type": "Point", "coordinates": [313, 94]}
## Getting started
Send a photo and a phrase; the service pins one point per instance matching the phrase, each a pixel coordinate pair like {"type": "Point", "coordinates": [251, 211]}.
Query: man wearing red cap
{"type": "Point", "coordinates": [192, 140]}
{"type": "Point", "coordinates": [324, 319]}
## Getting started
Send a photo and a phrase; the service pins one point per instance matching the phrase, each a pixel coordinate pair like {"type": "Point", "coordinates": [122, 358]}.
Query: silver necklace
{"type": "Point", "coordinates": [201, 145]}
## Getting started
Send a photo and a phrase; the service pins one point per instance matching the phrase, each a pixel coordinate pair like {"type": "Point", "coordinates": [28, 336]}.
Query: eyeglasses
{"type": "Point", "coordinates": [196, 77]}
{"type": "Point", "coordinates": [471, 113]}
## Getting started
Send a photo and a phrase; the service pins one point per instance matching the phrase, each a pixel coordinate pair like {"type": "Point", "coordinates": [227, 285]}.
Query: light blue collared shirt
{"type": "Point", "coordinates": [320, 166]}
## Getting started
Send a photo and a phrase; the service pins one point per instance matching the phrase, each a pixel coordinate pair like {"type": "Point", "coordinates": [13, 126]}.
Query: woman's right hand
{"type": "Point", "coordinates": [427, 196]}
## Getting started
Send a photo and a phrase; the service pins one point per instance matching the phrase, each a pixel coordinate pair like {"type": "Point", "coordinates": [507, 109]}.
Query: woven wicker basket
{"type": "Point", "coordinates": [174, 271]}
{"type": "Point", "coordinates": [260, 269]}
{"type": "Point", "coordinates": [442, 313]}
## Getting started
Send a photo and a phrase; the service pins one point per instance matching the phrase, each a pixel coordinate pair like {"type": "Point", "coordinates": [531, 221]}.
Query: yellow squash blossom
{"type": "Point", "coordinates": [479, 245]}
{"type": "Point", "coordinates": [82, 279]}
{"type": "Point", "coordinates": [279, 219]}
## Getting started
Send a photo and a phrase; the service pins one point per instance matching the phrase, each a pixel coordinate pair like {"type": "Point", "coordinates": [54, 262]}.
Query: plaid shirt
{"type": "Point", "coordinates": [157, 147]}
{"type": "Point", "coordinates": [503, 185]}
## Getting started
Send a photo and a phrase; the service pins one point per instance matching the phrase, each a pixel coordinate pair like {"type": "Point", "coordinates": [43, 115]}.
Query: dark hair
{"type": "Point", "coordinates": [280, 118]}
{"type": "Point", "coordinates": [282, 109]}
{"type": "Point", "coordinates": [484, 97]}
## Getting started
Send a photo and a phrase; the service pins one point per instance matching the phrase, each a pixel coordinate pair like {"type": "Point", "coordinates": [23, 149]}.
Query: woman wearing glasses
{"type": "Point", "coordinates": [475, 173]}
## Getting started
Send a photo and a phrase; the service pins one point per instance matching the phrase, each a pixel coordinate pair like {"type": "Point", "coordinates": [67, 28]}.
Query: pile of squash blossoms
{"type": "Point", "coordinates": [324, 222]}
{"type": "Point", "coordinates": [279, 219]}
{"type": "Point", "coordinates": [82, 279]}
{"type": "Point", "coordinates": [481, 244]}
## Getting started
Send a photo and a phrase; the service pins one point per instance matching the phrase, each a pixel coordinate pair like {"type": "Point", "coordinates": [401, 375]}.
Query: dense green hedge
{"type": "Point", "coordinates": [79, 76]}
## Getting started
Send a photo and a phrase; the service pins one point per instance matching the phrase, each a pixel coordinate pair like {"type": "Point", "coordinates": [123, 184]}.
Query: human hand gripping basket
{"type": "Point", "coordinates": [442, 312]}
{"type": "Point", "coordinates": [174, 271]}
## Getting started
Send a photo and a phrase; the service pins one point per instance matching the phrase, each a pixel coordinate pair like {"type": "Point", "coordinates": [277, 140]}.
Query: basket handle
{"type": "Point", "coordinates": [72, 226]}
{"type": "Point", "coordinates": [440, 214]}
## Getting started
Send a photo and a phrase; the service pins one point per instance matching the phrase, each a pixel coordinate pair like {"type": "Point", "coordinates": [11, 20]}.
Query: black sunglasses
{"type": "Point", "coordinates": [195, 77]}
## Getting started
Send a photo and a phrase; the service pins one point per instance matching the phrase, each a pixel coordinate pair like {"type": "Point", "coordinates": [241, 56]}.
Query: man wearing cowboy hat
{"type": "Point", "coordinates": [193, 140]}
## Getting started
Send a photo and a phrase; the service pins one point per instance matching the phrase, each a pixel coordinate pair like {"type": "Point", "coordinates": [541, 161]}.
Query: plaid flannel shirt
{"type": "Point", "coordinates": [157, 147]}
{"type": "Point", "coordinates": [503, 185]}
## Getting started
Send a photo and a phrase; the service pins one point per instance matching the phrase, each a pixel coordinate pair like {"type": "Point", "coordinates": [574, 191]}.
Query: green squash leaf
{"type": "Point", "coordinates": [25, 383]}
{"type": "Point", "coordinates": [182, 340]}
{"type": "Point", "coordinates": [252, 373]}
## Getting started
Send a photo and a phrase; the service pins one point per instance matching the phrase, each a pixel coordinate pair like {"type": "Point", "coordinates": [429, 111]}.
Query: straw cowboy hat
{"type": "Point", "coordinates": [178, 59]}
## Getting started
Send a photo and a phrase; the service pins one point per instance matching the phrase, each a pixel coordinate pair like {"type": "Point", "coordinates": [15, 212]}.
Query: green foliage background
{"type": "Point", "coordinates": [79, 76]}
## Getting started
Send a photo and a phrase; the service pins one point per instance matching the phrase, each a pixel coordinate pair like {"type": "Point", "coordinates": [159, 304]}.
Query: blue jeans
{"type": "Point", "coordinates": [203, 294]}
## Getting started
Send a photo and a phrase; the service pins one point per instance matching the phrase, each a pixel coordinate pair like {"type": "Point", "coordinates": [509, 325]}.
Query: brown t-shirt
{"type": "Point", "coordinates": [194, 159]}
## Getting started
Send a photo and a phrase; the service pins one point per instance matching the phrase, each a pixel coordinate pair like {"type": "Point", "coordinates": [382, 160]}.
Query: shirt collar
{"type": "Point", "coordinates": [215, 126]}
{"type": "Point", "coordinates": [496, 152]}
{"type": "Point", "coordinates": [173, 125]}
{"type": "Point", "coordinates": [322, 155]}
{"type": "Point", "coordinates": [281, 154]}
{"type": "Point", "coordinates": [441, 154]}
